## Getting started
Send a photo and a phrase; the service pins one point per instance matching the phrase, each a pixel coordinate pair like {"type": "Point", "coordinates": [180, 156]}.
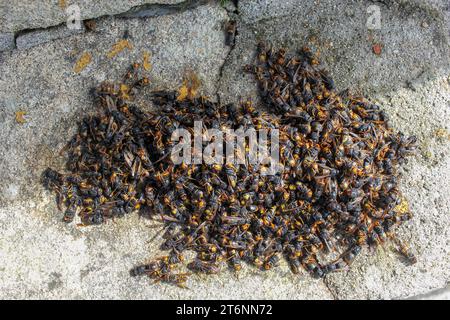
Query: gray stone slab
{"type": "Point", "coordinates": [424, 112]}
{"type": "Point", "coordinates": [42, 80]}
{"type": "Point", "coordinates": [30, 14]}
{"type": "Point", "coordinates": [7, 41]}
{"type": "Point", "coordinates": [440, 294]}
{"type": "Point", "coordinates": [410, 80]}
{"type": "Point", "coordinates": [58, 261]}
{"type": "Point", "coordinates": [45, 258]}
{"type": "Point", "coordinates": [415, 41]}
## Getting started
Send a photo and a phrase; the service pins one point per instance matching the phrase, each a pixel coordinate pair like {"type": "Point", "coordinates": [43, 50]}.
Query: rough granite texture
{"type": "Point", "coordinates": [426, 185]}
{"type": "Point", "coordinates": [31, 14]}
{"type": "Point", "coordinates": [6, 41]}
{"type": "Point", "coordinates": [45, 258]}
{"type": "Point", "coordinates": [415, 42]}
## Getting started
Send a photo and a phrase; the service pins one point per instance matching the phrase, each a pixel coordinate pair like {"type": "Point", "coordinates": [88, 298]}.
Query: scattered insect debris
{"type": "Point", "coordinates": [338, 191]}
{"type": "Point", "coordinates": [90, 25]}
{"type": "Point", "coordinates": [230, 33]}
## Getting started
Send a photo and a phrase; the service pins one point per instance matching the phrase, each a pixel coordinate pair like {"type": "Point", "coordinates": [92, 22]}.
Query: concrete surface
{"type": "Point", "coordinates": [440, 294]}
{"type": "Point", "coordinates": [31, 14]}
{"type": "Point", "coordinates": [426, 185]}
{"type": "Point", "coordinates": [415, 42]}
{"type": "Point", "coordinates": [45, 258]}
{"type": "Point", "coordinates": [6, 41]}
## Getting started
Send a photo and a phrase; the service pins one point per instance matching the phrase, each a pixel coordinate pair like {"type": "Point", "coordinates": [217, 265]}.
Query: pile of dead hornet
{"type": "Point", "coordinates": [336, 194]}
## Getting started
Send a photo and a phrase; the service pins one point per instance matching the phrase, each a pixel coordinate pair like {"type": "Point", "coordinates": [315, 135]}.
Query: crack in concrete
{"type": "Point", "coordinates": [233, 45]}
{"type": "Point", "coordinates": [23, 32]}
{"type": "Point", "coordinates": [332, 292]}
{"type": "Point", "coordinates": [70, 32]}
{"type": "Point", "coordinates": [157, 9]}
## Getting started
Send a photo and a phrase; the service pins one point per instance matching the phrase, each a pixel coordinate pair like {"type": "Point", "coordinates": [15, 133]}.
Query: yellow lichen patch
{"type": "Point", "coordinates": [146, 61]}
{"type": "Point", "coordinates": [20, 117]}
{"type": "Point", "coordinates": [62, 4]}
{"type": "Point", "coordinates": [82, 62]}
{"type": "Point", "coordinates": [442, 133]}
{"type": "Point", "coordinates": [119, 47]}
